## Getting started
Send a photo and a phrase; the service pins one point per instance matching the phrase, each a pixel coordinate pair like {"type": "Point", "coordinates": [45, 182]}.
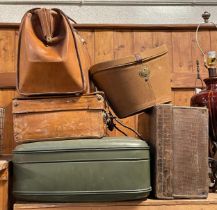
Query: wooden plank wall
{"type": "Point", "coordinates": [106, 43]}
{"type": "Point", "coordinates": [8, 45]}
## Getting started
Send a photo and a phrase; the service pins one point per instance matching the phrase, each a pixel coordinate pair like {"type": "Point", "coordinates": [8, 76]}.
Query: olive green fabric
{"type": "Point", "coordinates": [109, 169]}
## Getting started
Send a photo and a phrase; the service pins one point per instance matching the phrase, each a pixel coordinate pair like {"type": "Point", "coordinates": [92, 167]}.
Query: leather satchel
{"type": "Point", "coordinates": [52, 57]}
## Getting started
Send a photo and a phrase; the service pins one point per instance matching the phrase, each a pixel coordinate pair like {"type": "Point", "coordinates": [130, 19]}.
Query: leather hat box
{"type": "Point", "coordinates": [135, 83]}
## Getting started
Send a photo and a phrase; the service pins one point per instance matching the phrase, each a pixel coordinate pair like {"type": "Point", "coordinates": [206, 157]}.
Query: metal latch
{"type": "Point", "coordinates": [145, 72]}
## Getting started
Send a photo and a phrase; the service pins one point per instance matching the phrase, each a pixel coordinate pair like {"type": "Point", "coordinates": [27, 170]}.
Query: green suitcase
{"type": "Point", "coordinates": [109, 169]}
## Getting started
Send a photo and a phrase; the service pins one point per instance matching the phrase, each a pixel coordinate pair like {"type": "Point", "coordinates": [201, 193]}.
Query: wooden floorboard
{"type": "Point", "coordinates": [150, 204]}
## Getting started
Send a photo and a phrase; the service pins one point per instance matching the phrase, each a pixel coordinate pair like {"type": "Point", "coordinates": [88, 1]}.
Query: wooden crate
{"type": "Point", "coordinates": [178, 137]}
{"type": "Point", "coordinates": [4, 184]}
{"type": "Point", "coordinates": [206, 204]}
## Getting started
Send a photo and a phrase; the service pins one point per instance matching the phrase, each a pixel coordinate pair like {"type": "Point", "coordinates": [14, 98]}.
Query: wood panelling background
{"type": "Point", "coordinates": [106, 43]}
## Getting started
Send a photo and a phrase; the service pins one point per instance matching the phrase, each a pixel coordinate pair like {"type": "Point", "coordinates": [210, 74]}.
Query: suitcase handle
{"type": "Point", "coordinates": [110, 118]}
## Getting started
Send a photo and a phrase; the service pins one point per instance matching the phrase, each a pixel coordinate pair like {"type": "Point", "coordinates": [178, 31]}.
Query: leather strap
{"type": "Point", "coordinates": [110, 118]}
{"type": "Point", "coordinates": [76, 45]}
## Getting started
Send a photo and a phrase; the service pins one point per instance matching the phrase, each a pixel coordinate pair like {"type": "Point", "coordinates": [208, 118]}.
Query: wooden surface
{"type": "Point", "coordinates": [106, 42]}
{"type": "Point", "coordinates": [4, 185]}
{"type": "Point", "coordinates": [126, 26]}
{"type": "Point", "coordinates": [203, 204]}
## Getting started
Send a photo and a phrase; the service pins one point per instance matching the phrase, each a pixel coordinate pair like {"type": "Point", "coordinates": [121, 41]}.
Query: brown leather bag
{"type": "Point", "coordinates": [52, 57]}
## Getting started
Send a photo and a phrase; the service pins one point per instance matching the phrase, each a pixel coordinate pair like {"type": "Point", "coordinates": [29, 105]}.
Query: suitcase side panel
{"type": "Point", "coordinates": [95, 101]}
{"type": "Point", "coordinates": [59, 125]}
{"type": "Point", "coordinates": [190, 127]}
{"type": "Point", "coordinates": [76, 155]}
{"type": "Point", "coordinates": [83, 181]}
{"type": "Point", "coordinates": [162, 138]}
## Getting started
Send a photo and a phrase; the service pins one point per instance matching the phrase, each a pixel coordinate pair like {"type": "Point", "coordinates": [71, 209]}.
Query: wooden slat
{"type": "Point", "coordinates": [203, 204]}
{"type": "Point", "coordinates": [164, 37]}
{"type": "Point", "coordinates": [182, 97]}
{"type": "Point", "coordinates": [124, 46]}
{"type": "Point", "coordinates": [127, 26]}
{"type": "Point", "coordinates": [182, 55]}
{"type": "Point", "coordinates": [173, 96]}
{"type": "Point", "coordinates": [104, 50]}
{"type": "Point", "coordinates": [16, 50]}
{"type": "Point", "coordinates": [179, 80]}
{"type": "Point", "coordinates": [153, 27]}
{"type": "Point", "coordinates": [7, 50]}
{"type": "Point", "coordinates": [186, 80]}
{"type": "Point", "coordinates": [6, 97]}
{"type": "Point", "coordinates": [7, 80]}
{"type": "Point", "coordinates": [213, 40]}
{"type": "Point", "coordinates": [142, 40]}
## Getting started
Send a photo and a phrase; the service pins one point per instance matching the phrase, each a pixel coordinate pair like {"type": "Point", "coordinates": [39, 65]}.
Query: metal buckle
{"type": "Point", "coordinates": [145, 73]}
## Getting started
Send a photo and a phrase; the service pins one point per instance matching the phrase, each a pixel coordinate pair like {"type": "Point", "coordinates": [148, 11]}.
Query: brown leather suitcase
{"type": "Point", "coordinates": [135, 83]}
{"type": "Point", "coordinates": [52, 57]}
{"type": "Point", "coordinates": [178, 140]}
{"type": "Point", "coordinates": [59, 118]}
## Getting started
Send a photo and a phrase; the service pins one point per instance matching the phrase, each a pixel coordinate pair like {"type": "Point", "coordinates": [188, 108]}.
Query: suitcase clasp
{"type": "Point", "coordinates": [145, 72]}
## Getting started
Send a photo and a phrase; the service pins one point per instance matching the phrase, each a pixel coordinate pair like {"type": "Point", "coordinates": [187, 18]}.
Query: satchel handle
{"type": "Point", "coordinates": [32, 11]}
{"type": "Point", "coordinates": [75, 42]}
{"type": "Point", "coordinates": [71, 19]}
{"type": "Point", "coordinates": [61, 12]}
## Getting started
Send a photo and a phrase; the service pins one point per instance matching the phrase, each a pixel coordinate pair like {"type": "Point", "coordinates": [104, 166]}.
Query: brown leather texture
{"type": "Point", "coordinates": [59, 118]}
{"type": "Point", "coordinates": [135, 83]}
{"type": "Point", "coordinates": [52, 57]}
{"type": "Point", "coordinates": [179, 144]}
